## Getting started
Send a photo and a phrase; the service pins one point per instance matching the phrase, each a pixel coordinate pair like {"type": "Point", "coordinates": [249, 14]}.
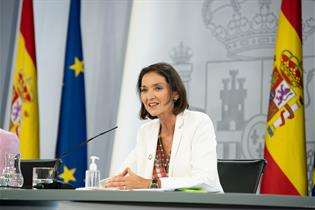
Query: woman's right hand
{"type": "Point", "coordinates": [122, 174]}
{"type": "Point", "coordinates": [128, 180]}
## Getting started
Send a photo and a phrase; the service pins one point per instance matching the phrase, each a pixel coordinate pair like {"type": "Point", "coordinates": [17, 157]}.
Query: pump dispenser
{"type": "Point", "coordinates": [92, 176]}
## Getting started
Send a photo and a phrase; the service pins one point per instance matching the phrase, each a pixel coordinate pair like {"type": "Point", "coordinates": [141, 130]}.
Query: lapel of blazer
{"type": "Point", "coordinates": [151, 148]}
{"type": "Point", "coordinates": [176, 139]}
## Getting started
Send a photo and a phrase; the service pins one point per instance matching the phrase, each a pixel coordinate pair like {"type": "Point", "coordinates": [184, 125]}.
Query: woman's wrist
{"type": "Point", "coordinates": [155, 183]}
{"type": "Point", "coordinates": [159, 183]}
{"type": "Point", "coordinates": [148, 183]}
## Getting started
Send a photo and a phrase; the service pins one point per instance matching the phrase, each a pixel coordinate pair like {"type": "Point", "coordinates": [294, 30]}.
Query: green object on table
{"type": "Point", "coordinates": [192, 189]}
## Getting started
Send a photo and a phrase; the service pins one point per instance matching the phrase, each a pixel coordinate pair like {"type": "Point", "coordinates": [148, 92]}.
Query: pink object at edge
{"type": "Point", "coordinates": [9, 142]}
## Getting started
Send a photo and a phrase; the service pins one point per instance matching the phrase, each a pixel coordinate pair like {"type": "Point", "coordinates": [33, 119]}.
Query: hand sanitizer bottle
{"type": "Point", "coordinates": [92, 176]}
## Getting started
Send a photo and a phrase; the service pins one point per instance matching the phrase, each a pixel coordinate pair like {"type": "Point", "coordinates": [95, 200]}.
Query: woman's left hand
{"type": "Point", "coordinates": [129, 181]}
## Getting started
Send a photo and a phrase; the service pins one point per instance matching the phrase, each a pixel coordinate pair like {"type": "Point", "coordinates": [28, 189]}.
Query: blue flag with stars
{"type": "Point", "coordinates": [72, 120]}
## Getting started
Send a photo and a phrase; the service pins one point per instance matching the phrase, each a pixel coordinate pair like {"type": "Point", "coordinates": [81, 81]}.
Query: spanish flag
{"type": "Point", "coordinates": [24, 106]}
{"type": "Point", "coordinates": [285, 149]}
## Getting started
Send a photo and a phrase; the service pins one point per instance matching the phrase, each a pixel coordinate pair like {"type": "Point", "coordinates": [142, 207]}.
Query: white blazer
{"type": "Point", "coordinates": [193, 155]}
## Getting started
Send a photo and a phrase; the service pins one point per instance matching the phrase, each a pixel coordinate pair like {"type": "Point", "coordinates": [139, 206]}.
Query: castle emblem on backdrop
{"type": "Point", "coordinates": [233, 98]}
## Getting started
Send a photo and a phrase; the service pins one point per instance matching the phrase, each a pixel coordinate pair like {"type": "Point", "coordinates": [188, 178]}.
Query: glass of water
{"type": "Point", "coordinates": [43, 175]}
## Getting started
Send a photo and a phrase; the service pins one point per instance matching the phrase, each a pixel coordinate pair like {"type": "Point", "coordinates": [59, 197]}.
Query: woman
{"type": "Point", "coordinates": [177, 148]}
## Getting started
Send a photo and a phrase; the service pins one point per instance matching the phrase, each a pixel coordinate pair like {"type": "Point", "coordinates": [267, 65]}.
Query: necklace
{"type": "Point", "coordinates": [165, 158]}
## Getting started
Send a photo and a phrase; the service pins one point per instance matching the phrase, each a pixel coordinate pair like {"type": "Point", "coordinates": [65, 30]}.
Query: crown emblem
{"type": "Point", "coordinates": [291, 69]}
{"type": "Point", "coordinates": [181, 54]}
{"type": "Point", "coordinates": [246, 26]}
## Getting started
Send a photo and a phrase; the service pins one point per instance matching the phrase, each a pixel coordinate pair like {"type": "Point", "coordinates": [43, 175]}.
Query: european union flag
{"type": "Point", "coordinates": [72, 121]}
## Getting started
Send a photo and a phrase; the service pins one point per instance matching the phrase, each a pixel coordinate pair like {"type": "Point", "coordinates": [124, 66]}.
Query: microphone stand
{"type": "Point", "coordinates": [58, 184]}
{"type": "Point", "coordinates": [84, 142]}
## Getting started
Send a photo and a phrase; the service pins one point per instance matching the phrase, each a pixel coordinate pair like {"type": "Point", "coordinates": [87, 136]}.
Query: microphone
{"type": "Point", "coordinates": [58, 184]}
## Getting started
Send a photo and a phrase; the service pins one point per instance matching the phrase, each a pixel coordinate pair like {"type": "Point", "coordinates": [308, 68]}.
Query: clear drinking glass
{"type": "Point", "coordinates": [17, 179]}
{"type": "Point", "coordinates": [43, 175]}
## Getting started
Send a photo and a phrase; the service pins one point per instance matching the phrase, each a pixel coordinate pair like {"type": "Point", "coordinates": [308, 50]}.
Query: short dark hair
{"type": "Point", "coordinates": [175, 84]}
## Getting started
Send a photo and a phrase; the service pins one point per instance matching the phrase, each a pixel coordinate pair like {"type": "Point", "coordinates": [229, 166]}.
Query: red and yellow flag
{"type": "Point", "coordinates": [24, 106]}
{"type": "Point", "coordinates": [285, 150]}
